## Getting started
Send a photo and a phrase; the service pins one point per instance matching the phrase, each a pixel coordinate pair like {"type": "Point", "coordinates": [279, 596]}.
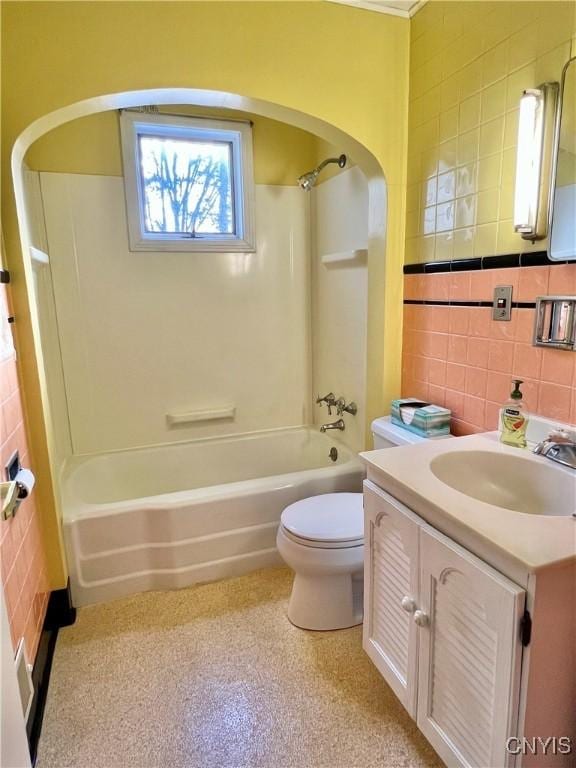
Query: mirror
{"type": "Point", "coordinates": [563, 209]}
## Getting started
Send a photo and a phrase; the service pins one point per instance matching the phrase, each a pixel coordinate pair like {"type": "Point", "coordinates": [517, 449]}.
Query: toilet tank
{"type": "Point", "coordinates": [388, 435]}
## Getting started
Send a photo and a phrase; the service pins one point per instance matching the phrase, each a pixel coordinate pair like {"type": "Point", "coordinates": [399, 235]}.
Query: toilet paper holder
{"type": "Point", "coordinates": [12, 493]}
{"type": "Point", "coordinates": [555, 322]}
{"type": "Point", "coordinates": [18, 486]}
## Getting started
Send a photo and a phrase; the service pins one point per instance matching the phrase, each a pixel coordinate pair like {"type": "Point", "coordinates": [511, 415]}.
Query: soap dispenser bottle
{"type": "Point", "coordinates": [514, 418]}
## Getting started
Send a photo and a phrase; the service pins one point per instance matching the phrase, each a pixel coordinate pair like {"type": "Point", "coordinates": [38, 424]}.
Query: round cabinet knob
{"type": "Point", "coordinates": [421, 619]}
{"type": "Point", "coordinates": [408, 604]}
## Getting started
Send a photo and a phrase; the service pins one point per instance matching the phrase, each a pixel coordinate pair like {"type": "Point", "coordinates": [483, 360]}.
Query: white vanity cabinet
{"type": "Point", "coordinates": [444, 630]}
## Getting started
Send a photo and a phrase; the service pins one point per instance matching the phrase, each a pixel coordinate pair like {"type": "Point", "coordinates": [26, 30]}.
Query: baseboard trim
{"type": "Point", "coordinates": [41, 680]}
{"type": "Point", "coordinates": [59, 613]}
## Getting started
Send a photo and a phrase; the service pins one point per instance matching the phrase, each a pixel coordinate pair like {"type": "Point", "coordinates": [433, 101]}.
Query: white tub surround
{"type": "Point", "coordinates": [148, 336]}
{"type": "Point", "coordinates": [174, 515]}
{"type": "Point", "coordinates": [340, 296]}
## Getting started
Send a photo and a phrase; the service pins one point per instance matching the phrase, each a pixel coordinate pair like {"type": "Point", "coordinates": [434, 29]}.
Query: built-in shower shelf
{"type": "Point", "coordinates": [38, 256]}
{"type": "Point", "coordinates": [357, 256]}
{"type": "Point", "coordinates": [206, 414]}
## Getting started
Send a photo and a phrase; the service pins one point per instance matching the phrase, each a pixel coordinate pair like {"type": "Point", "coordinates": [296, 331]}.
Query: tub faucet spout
{"type": "Point", "coordinates": [334, 425]}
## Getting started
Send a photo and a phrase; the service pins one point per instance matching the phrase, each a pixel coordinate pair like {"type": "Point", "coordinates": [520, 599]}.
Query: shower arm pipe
{"type": "Point", "coordinates": [308, 180]}
{"type": "Point", "coordinates": [341, 160]}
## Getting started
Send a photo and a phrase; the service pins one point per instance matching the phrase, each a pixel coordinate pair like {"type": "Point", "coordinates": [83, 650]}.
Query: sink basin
{"type": "Point", "coordinates": [520, 483]}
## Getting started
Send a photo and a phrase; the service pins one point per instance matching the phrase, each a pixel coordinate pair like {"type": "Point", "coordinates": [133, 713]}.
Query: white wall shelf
{"type": "Point", "coordinates": [357, 256]}
{"type": "Point", "coordinates": [38, 256]}
{"type": "Point", "coordinates": [206, 414]}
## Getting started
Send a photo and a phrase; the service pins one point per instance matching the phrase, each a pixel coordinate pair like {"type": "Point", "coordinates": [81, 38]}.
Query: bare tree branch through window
{"type": "Point", "coordinates": [186, 186]}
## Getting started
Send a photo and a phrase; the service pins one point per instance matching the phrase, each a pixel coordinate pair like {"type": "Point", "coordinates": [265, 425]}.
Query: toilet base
{"type": "Point", "coordinates": [326, 602]}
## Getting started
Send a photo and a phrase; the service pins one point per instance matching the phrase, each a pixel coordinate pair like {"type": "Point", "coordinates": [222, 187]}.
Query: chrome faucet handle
{"type": "Point", "coordinates": [558, 436]}
{"type": "Point", "coordinates": [541, 447]}
{"type": "Point", "coordinates": [341, 407]}
{"type": "Point", "coordinates": [329, 399]}
{"type": "Point", "coordinates": [562, 452]}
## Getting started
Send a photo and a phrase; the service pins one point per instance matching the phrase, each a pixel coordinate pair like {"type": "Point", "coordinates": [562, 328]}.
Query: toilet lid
{"type": "Point", "coordinates": [329, 517]}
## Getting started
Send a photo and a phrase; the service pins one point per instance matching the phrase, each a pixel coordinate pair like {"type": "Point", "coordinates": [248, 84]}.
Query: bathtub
{"type": "Point", "coordinates": [170, 516]}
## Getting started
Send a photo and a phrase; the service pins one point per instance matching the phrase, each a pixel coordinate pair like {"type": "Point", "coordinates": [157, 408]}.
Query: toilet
{"type": "Point", "coordinates": [321, 539]}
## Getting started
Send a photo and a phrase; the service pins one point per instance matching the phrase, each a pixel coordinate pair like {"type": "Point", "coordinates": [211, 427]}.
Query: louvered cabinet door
{"type": "Point", "coordinates": [390, 592]}
{"type": "Point", "coordinates": [469, 655]}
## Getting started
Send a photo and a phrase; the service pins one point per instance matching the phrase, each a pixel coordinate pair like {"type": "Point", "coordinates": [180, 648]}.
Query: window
{"type": "Point", "coordinates": [189, 184]}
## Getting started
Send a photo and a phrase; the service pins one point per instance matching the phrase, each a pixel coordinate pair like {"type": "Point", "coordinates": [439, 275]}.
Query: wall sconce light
{"type": "Point", "coordinates": [536, 127]}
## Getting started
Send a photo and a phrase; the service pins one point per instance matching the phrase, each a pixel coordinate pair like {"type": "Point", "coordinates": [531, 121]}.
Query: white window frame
{"type": "Point", "coordinates": [237, 134]}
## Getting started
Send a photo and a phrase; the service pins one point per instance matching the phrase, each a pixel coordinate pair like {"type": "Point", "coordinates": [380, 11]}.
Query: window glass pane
{"type": "Point", "coordinates": [187, 186]}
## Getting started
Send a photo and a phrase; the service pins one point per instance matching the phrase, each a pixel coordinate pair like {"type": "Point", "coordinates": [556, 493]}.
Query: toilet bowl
{"type": "Point", "coordinates": [321, 539]}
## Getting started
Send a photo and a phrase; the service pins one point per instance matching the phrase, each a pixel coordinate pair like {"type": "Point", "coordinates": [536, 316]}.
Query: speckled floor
{"type": "Point", "coordinates": [215, 675]}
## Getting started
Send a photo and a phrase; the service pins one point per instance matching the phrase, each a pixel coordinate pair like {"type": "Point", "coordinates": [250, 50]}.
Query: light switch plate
{"type": "Point", "coordinates": [502, 302]}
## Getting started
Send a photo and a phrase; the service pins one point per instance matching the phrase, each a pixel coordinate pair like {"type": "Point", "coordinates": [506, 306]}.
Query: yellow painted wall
{"type": "Point", "coordinates": [566, 174]}
{"type": "Point", "coordinates": [354, 76]}
{"type": "Point", "coordinates": [324, 150]}
{"type": "Point", "coordinates": [469, 63]}
{"type": "Point", "coordinates": [567, 154]}
{"type": "Point", "coordinates": [92, 145]}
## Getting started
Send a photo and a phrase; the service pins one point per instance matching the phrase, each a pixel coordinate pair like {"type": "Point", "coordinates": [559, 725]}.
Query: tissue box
{"type": "Point", "coordinates": [421, 418]}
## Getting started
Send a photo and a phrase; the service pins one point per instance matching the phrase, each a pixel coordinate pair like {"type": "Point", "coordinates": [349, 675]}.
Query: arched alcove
{"type": "Point", "coordinates": [362, 157]}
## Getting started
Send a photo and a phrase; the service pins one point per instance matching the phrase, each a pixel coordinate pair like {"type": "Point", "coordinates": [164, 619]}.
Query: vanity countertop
{"type": "Point", "coordinates": [515, 542]}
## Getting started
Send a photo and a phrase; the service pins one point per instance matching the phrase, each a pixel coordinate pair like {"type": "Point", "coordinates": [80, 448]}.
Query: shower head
{"type": "Point", "coordinates": [307, 180]}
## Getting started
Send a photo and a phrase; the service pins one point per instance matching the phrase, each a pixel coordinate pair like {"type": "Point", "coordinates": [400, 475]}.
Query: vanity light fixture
{"type": "Point", "coordinates": [536, 126]}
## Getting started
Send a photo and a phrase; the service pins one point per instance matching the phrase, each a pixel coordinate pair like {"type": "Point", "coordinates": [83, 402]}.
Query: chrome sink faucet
{"type": "Point", "coordinates": [560, 450]}
{"type": "Point", "coordinates": [335, 425]}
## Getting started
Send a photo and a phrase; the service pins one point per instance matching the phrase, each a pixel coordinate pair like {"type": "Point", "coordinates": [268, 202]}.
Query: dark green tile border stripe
{"type": "Point", "coordinates": [504, 261]}
{"type": "Point", "coordinates": [438, 303]}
